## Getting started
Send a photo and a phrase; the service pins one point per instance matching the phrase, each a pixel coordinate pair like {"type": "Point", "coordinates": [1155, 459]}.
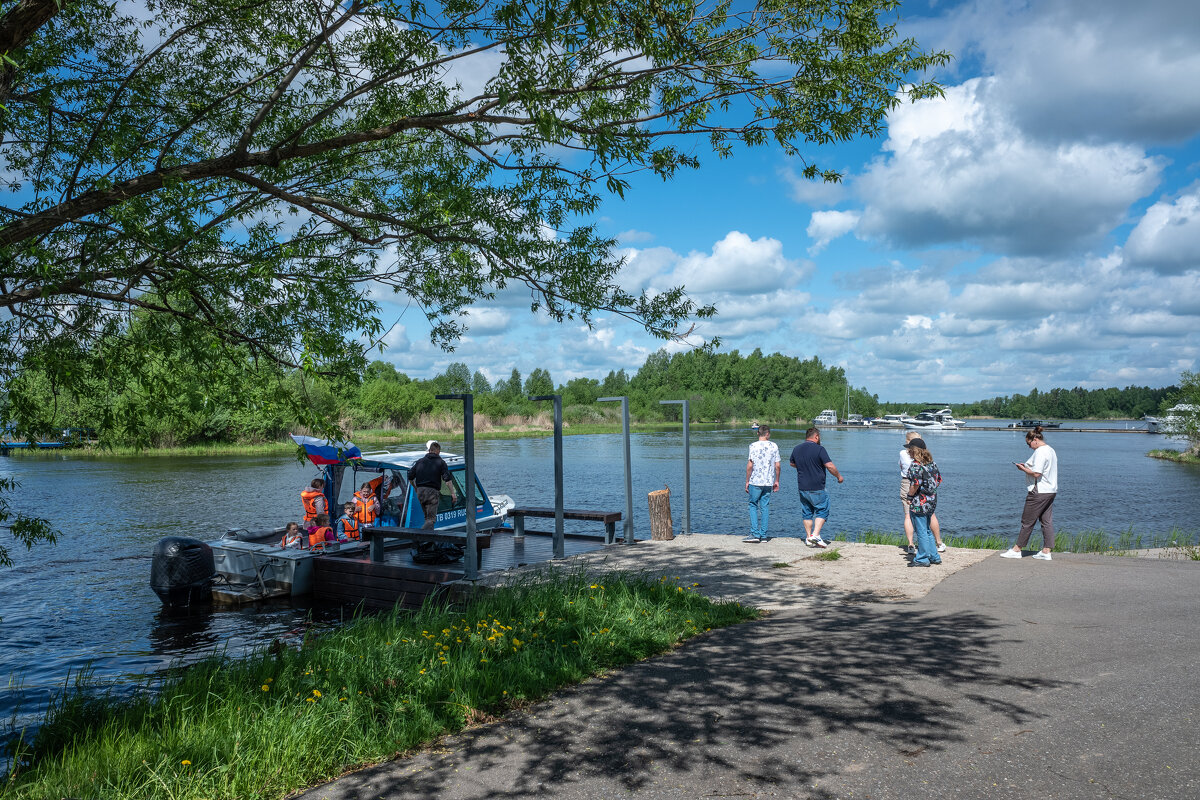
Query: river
{"type": "Point", "coordinates": [85, 603]}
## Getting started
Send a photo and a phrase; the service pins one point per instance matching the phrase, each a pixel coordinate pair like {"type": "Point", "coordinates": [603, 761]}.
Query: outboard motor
{"type": "Point", "coordinates": [182, 571]}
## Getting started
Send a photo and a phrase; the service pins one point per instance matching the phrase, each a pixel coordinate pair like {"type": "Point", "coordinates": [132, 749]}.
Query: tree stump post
{"type": "Point", "coordinates": [660, 515]}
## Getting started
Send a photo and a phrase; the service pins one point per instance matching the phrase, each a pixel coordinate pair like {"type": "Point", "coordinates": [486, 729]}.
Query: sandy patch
{"type": "Point", "coordinates": [780, 573]}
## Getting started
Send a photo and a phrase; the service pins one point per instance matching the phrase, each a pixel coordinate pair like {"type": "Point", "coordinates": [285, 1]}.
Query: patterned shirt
{"type": "Point", "coordinates": [927, 479]}
{"type": "Point", "coordinates": [765, 455]}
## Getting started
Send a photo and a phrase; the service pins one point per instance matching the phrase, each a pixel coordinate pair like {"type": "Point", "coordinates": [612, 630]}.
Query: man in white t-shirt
{"type": "Point", "coordinates": [1041, 487]}
{"type": "Point", "coordinates": [762, 479]}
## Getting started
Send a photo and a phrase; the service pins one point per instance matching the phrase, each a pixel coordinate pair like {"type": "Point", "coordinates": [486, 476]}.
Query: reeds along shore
{"type": "Point", "coordinates": [286, 718]}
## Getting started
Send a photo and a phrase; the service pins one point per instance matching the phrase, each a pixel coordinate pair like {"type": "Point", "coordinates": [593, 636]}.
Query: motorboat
{"type": "Point", "coordinates": [252, 565]}
{"type": "Point", "coordinates": [858, 421]}
{"type": "Point", "coordinates": [891, 420]}
{"type": "Point", "coordinates": [826, 417]}
{"type": "Point", "coordinates": [934, 419]}
{"type": "Point", "coordinates": [1034, 423]}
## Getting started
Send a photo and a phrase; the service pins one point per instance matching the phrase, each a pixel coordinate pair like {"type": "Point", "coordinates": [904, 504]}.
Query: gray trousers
{"type": "Point", "coordinates": [1038, 508]}
{"type": "Point", "coordinates": [429, 499]}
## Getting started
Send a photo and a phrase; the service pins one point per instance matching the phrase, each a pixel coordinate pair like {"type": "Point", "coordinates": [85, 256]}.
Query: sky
{"type": "Point", "coordinates": [1038, 226]}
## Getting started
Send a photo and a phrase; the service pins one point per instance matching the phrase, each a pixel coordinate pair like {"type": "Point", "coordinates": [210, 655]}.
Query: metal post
{"type": "Point", "coordinates": [687, 466]}
{"type": "Point", "coordinates": [471, 558]}
{"type": "Point", "coordinates": [560, 545]}
{"type": "Point", "coordinates": [628, 528]}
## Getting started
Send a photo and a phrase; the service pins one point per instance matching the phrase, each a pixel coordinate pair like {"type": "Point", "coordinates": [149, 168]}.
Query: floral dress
{"type": "Point", "coordinates": [927, 479]}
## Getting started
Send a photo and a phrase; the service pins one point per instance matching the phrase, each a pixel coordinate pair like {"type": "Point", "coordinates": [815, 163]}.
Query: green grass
{"type": "Point", "coordinates": [780, 565]}
{"type": "Point", "coordinates": [828, 555]}
{"type": "Point", "coordinates": [1178, 456]}
{"type": "Point", "coordinates": [283, 719]}
{"type": "Point", "coordinates": [1090, 541]}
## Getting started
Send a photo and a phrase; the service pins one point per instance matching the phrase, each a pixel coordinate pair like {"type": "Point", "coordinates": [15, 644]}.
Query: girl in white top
{"type": "Point", "coordinates": [1041, 487]}
{"type": "Point", "coordinates": [906, 462]}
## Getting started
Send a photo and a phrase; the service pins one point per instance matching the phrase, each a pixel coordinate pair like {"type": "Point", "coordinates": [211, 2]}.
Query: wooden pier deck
{"type": "Point", "coordinates": [398, 580]}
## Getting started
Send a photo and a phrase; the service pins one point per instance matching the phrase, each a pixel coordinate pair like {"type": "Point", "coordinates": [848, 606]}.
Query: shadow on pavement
{"type": "Point", "coordinates": [740, 710]}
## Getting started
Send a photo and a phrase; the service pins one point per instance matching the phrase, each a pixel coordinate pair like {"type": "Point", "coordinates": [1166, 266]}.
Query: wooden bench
{"type": "Point", "coordinates": [349, 581]}
{"type": "Point", "coordinates": [609, 518]}
{"type": "Point", "coordinates": [376, 534]}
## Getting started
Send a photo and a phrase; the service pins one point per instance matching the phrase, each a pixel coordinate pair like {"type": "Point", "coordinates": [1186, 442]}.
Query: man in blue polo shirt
{"type": "Point", "coordinates": [811, 462]}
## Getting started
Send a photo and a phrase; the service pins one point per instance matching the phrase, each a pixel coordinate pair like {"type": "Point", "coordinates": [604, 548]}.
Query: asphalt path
{"type": "Point", "coordinates": [1070, 679]}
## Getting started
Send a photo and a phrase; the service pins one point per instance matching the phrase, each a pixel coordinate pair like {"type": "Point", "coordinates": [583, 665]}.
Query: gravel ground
{"type": "Point", "coordinates": [776, 574]}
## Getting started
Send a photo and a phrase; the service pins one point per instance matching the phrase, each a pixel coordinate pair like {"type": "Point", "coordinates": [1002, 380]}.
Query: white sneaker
{"type": "Point", "coordinates": [817, 541]}
{"type": "Point", "coordinates": [1010, 553]}
{"type": "Point", "coordinates": [941, 547]}
{"type": "Point", "coordinates": [1040, 556]}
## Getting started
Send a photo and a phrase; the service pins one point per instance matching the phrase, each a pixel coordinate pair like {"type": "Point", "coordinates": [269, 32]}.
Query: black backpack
{"type": "Point", "coordinates": [437, 553]}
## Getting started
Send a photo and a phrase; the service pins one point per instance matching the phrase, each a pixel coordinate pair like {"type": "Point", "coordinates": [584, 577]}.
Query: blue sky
{"type": "Point", "coordinates": [1039, 226]}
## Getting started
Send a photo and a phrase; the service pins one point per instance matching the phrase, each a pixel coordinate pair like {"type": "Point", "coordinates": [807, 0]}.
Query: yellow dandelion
{"type": "Point", "coordinates": [316, 692]}
{"type": "Point", "coordinates": [312, 699]}
{"type": "Point", "coordinates": [186, 763]}
{"type": "Point", "coordinates": [266, 688]}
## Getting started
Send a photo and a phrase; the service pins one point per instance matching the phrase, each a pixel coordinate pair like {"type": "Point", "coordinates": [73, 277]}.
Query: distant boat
{"type": "Point", "coordinates": [857, 421]}
{"type": "Point", "coordinates": [826, 417]}
{"type": "Point", "coordinates": [1034, 423]}
{"type": "Point", "coordinates": [753, 426]}
{"type": "Point", "coordinates": [891, 420]}
{"type": "Point", "coordinates": [934, 419]}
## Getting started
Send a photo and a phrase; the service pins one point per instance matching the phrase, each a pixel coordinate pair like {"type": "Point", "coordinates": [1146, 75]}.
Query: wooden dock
{"type": "Point", "coordinates": [397, 580]}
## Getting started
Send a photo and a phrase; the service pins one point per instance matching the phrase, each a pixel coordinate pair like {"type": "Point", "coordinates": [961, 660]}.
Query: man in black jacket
{"type": "Point", "coordinates": [427, 477]}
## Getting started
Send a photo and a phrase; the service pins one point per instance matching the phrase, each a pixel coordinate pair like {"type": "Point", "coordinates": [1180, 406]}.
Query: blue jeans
{"type": "Point", "coordinates": [926, 545]}
{"type": "Point", "coordinates": [760, 509]}
{"type": "Point", "coordinates": [814, 504]}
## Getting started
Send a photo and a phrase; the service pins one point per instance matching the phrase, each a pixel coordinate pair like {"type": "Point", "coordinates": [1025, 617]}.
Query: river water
{"type": "Point", "coordinates": [86, 603]}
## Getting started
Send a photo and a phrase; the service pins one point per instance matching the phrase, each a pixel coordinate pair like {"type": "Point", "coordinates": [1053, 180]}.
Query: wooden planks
{"type": "Point", "coordinates": [377, 586]}
{"type": "Point", "coordinates": [609, 518]}
{"type": "Point", "coordinates": [375, 534]}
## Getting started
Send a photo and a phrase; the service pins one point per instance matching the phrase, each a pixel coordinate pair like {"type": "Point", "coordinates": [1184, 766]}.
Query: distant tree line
{"type": "Point", "coordinates": [1132, 402]}
{"type": "Point", "coordinates": [249, 401]}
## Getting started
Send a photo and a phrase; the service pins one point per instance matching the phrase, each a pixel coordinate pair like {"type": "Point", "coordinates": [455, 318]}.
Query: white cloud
{"type": "Point", "coordinates": [740, 265]}
{"type": "Point", "coordinates": [825, 226]}
{"type": "Point", "coordinates": [486, 321]}
{"type": "Point", "coordinates": [1087, 69]}
{"type": "Point", "coordinates": [1167, 238]}
{"type": "Point", "coordinates": [959, 169]}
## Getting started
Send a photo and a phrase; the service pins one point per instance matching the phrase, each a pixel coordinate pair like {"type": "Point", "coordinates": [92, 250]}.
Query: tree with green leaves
{"type": "Point", "coordinates": [256, 174]}
{"type": "Point", "coordinates": [1181, 414]}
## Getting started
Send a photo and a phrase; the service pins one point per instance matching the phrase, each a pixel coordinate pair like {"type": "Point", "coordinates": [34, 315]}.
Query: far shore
{"type": "Point", "coordinates": [451, 429]}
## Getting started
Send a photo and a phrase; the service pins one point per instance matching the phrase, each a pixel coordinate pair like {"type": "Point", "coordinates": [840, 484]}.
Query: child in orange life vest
{"type": "Point", "coordinates": [312, 497]}
{"type": "Point", "coordinates": [292, 537]}
{"type": "Point", "coordinates": [347, 526]}
{"type": "Point", "coordinates": [320, 532]}
{"type": "Point", "coordinates": [366, 504]}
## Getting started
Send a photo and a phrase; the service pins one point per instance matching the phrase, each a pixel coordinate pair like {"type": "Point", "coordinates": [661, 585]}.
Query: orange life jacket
{"type": "Point", "coordinates": [350, 527]}
{"type": "Point", "coordinates": [295, 539]}
{"type": "Point", "coordinates": [308, 497]}
{"type": "Point", "coordinates": [364, 506]}
{"type": "Point", "coordinates": [317, 537]}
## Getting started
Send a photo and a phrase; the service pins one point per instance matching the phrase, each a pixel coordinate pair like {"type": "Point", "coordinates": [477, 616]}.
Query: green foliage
{"type": "Point", "coordinates": [269, 724]}
{"type": "Point", "coordinates": [397, 403]}
{"type": "Point", "coordinates": [25, 529]}
{"type": "Point", "coordinates": [1180, 414]}
{"type": "Point", "coordinates": [538, 383]}
{"type": "Point", "coordinates": [217, 191]}
{"type": "Point", "coordinates": [1132, 402]}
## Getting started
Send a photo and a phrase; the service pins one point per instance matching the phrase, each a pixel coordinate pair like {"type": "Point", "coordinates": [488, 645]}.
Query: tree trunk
{"type": "Point", "coordinates": [660, 515]}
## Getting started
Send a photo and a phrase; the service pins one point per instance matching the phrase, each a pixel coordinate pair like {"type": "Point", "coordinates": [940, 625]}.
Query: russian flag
{"type": "Point", "coordinates": [322, 451]}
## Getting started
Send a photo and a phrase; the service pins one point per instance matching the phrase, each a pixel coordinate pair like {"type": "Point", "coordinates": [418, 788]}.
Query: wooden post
{"type": "Point", "coordinates": [660, 515]}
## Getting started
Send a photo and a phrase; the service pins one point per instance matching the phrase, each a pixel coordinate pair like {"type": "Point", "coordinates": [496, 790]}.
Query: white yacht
{"type": "Point", "coordinates": [934, 419]}
{"type": "Point", "coordinates": [826, 417]}
{"type": "Point", "coordinates": [891, 420]}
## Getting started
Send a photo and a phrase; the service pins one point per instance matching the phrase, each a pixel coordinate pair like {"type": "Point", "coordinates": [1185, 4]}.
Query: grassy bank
{"type": "Point", "coordinates": [1178, 456]}
{"type": "Point", "coordinates": [280, 720]}
{"type": "Point", "coordinates": [1097, 541]}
